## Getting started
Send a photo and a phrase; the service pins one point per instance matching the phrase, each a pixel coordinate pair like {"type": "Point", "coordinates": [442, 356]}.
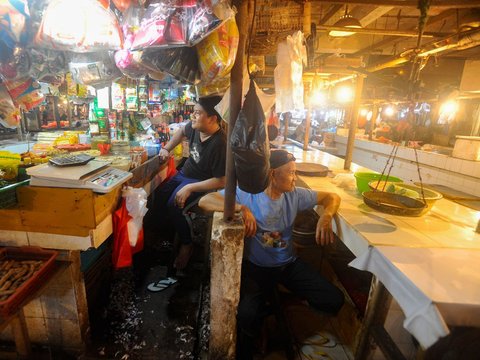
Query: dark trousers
{"type": "Point", "coordinates": [258, 283]}
{"type": "Point", "coordinates": [165, 205]}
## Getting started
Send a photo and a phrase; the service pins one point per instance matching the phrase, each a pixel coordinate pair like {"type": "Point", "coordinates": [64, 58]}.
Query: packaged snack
{"type": "Point", "coordinates": [201, 22]}
{"type": "Point", "coordinates": [153, 26]}
{"type": "Point", "coordinates": [47, 63]}
{"type": "Point", "coordinates": [217, 52]}
{"type": "Point", "coordinates": [9, 115]}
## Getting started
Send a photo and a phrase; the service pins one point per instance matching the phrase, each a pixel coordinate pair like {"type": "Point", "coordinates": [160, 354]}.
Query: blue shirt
{"type": "Point", "coordinates": [272, 245]}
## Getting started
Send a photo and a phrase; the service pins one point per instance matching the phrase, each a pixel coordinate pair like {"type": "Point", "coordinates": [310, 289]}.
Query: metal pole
{"type": "Point", "coordinates": [236, 82]}
{"type": "Point", "coordinates": [353, 122]}
{"type": "Point", "coordinates": [286, 124]}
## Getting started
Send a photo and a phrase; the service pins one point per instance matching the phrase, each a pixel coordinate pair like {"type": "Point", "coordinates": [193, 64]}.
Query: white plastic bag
{"type": "Point", "coordinates": [288, 74]}
{"type": "Point", "coordinates": [136, 202]}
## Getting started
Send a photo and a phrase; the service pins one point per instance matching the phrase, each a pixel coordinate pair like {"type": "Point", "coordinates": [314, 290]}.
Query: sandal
{"type": "Point", "coordinates": [161, 285]}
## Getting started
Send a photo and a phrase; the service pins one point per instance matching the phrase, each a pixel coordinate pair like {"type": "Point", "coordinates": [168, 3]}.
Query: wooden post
{"type": "Point", "coordinates": [353, 122]}
{"type": "Point", "coordinates": [373, 120]}
{"type": "Point", "coordinates": [236, 83]}
{"type": "Point", "coordinates": [308, 120]}
{"type": "Point", "coordinates": [286, 122]}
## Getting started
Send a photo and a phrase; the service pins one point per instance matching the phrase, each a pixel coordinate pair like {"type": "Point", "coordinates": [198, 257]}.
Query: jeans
{"type": "Point", "coordinates": [258, 282]}
{"type": "Point", "coordinates": [165, 204]}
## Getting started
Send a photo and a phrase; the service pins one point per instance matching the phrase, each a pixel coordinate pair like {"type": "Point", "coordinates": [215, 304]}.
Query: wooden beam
{"type": "Point", "coordinates": [403, 33]}
{"type": "Point", "coordinates": [353, 122]}
{"type": "Point", "coordinates": [442, 4]}
{"type": "Point", "coordinates": [330, 13]}
{"type": "Point", "coordinates": [374, 15]}
{"type": "Point", "coordinates": [390, 40]}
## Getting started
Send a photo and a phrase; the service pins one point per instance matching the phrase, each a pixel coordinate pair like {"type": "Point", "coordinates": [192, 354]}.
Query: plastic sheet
{"type": "Point", "coordinates": [13, 14]}
{"type": "Point", "coordinates": [80, 26]}
{"type": "Point", "coordinates": [94, 69]}
{"type": "Point", "coordinates": [288, 74]}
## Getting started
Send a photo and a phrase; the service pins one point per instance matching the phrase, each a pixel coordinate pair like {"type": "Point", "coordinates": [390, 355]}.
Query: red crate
{"type": "Point", "coordinates": [12, 303]}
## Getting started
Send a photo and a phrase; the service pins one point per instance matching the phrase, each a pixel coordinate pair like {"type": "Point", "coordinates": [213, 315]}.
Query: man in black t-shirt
{"type": "Point", "coordinates": [203, 171]}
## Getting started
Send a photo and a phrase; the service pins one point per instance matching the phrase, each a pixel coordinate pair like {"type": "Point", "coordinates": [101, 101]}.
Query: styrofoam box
{"type": "Point", "coordinates": [467, 147]}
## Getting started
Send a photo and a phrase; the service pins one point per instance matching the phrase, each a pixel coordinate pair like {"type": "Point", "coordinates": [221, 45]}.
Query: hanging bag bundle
{"type": "Point", "coordinates": [250, 147]}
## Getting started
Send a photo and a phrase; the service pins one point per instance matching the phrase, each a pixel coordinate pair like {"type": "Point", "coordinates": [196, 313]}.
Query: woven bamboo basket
{"type": "Point", "coordinates": [274, 21]}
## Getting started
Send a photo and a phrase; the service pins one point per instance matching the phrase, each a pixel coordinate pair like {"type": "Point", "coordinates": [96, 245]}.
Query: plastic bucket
{"type": "Point", "coordinates": [363, 178]}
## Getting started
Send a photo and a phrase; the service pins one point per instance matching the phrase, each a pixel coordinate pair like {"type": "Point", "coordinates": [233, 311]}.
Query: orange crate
{"type": "Point", "coordinates": [11, 304]}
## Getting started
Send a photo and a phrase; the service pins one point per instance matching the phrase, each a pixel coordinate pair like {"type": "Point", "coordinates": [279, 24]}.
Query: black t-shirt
{"type": "Point", "coordinates": [207, 158]}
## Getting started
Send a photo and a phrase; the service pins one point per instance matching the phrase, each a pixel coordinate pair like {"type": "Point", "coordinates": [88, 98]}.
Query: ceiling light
{"type": "Point", "coordinates": [346, 21]}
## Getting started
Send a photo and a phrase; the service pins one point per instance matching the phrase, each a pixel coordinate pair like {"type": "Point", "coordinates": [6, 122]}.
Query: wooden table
{"type": "Point", "coordinates": [69, 221]}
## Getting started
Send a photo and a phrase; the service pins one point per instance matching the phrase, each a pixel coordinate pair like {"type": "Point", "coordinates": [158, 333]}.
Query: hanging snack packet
{"type": "Point", "coordinates": [217, 52]}
{"type": "Point", "coordinates": [17, 65]}
{"type": "Point", "coordinates": [202, 22]}
{"type": "Point", "coordinates": [153, 26]}
{"type": "Point", "coordinates": [176, 32]}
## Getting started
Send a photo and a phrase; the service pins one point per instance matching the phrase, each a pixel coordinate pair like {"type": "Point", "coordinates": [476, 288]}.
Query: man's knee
{"type": "Point", "coordinates": [331, 301]}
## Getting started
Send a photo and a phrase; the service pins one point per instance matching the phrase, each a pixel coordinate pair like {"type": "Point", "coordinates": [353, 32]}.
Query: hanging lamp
{"type": "Point", "coordinates": [346, 21]}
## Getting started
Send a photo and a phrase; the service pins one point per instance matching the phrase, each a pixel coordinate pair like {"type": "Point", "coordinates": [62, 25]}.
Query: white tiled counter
{"type": "Point", "coordinates": [435, 168]}
{"type": "Point", "coordinates": [448, 227]}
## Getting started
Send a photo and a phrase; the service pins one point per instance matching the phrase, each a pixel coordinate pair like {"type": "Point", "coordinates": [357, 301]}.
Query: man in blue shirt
{"type": "Point", "coordinates": [269, 257]}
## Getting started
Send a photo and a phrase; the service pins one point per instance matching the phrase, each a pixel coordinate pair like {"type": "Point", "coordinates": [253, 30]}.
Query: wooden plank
{"type": "Point", "coordinates": [20, 334]}
{"type": "Point", "coordinates": [56, 208]}
{"type": "Point", "coordinates": [106, 204]}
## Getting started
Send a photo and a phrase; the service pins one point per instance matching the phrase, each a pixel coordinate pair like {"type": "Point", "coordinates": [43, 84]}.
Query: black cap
{"type": "Point", "coordinates": [279, 158]}
{"type": "Point", "coordinates": [208, 104]}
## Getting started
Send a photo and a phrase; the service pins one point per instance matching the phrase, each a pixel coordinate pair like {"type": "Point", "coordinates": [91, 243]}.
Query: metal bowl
{"type": "Point", "coordinates": [431, 196]}
{"type": "Point", "coordinates": [394, 204]}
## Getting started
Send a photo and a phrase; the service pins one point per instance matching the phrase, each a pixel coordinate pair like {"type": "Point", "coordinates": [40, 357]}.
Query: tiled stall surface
{"type": "Point", "coordinates": [435, 168]}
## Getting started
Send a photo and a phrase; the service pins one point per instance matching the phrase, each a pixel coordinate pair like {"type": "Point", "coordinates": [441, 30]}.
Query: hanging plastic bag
{"type": "Point", "coordinates": [216, 53]}
{"type": "Point", "coordinates": [153, 26]}
{"type": "Point", "coordinates": [202, 22]}
{"type": "Point", "coordinates": [128, 227]}
{"type": "Point", "coordinates": [136, 202]}
{"type": "Point", "coordinates": [13, 14]}
{"type": "Point", "coordinates": [124, 5]}
{"type": "Point", "coordinates": [250, 147]}
{"type": "Point", "coordinates": [94, 69]}
{"type": "Point", "coordinates": [9, 115]}
{"type": "Point", "coordinates": [79, 26]}
{"type": "Point", "coordinates": [181, 63]}
{"type": "Point", "coordinates": [17, 65]}
{"type": "Point", "coordinates": [288, 73]}
{"type": "Point", "coordinates": [126, 60]}
{"type": "Point", "coordinates": [47, 64]}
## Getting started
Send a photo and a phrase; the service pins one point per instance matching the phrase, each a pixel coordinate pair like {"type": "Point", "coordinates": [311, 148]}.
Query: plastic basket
{"type": "Point", "coordinates": [8, 194]}
{"type": "Point", "coordinates": [30, 285]}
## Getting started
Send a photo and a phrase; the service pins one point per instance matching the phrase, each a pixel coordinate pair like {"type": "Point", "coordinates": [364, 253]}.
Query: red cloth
{"type": "Point", "coordinates": [122, 251]}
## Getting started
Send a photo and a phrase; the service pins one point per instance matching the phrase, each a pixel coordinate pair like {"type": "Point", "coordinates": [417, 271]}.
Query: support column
{"type": "Point", "coordinates": [353, 122]}
{"type": "Point", "coordinates": [226, 254]}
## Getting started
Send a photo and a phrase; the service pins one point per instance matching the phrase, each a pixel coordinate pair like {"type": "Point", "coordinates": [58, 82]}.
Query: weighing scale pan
{"type": "Point", "coordinates": [394, 204]}
{"type": "Point", "coordinates": [311, 169]}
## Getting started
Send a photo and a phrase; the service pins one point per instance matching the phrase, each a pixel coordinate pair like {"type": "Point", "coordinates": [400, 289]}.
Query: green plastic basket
{"type": "Point", "coordinates": [363, 178]}
{"type": "Point", "coordinates": [8, 194]}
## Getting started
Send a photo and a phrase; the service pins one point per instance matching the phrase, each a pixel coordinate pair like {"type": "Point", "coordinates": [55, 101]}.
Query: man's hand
{"type": "Point", "coordinates": [250, 222]}
{"type": "Point", "coordinates": [324, 233]}
{"type": "Point", "coordinates": [163, 154]}
{"type": "Point", "coordinates": [182, 196]}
